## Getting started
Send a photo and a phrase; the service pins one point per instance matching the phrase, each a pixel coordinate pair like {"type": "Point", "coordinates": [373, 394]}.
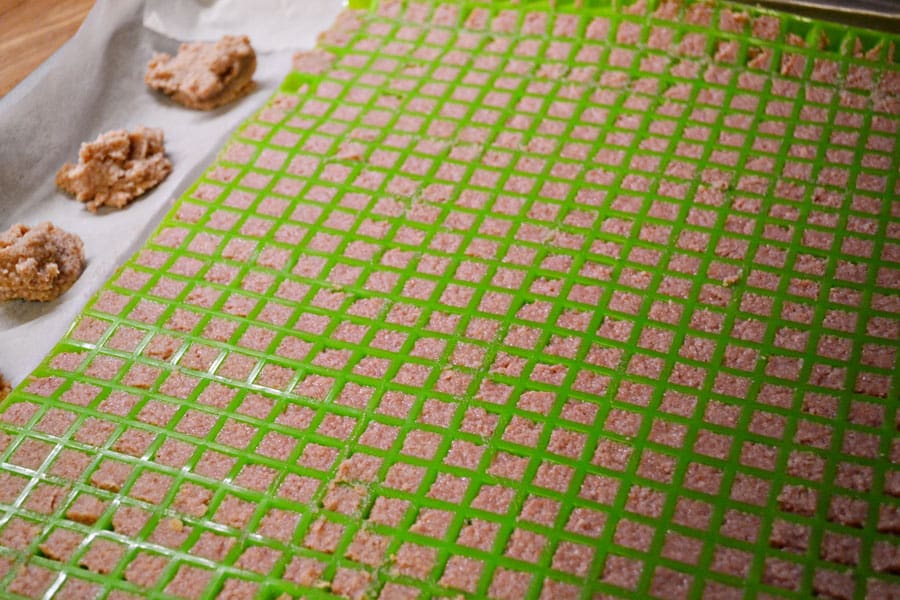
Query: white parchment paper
{"type": "Point", "coordinates": [95, 83]}
{"type": "Point", "coordinates": [204, 20]}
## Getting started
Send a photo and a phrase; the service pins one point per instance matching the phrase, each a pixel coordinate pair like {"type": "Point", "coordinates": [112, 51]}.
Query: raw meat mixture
{"type": "Point", "coordinates": [205, 75]}
{"type": "Point", "coordinates": [5, 387]}
{"type": "Point", "coordinates": [116, 168]}
{"type": "Point", "coordinates": [503, 302]}
{"type": "Point", "coordinates": [38, 263]}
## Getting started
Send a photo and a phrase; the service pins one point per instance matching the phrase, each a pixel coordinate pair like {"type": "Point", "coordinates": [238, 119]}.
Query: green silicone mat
{"type": "Point", "coordinates": [498, 300]}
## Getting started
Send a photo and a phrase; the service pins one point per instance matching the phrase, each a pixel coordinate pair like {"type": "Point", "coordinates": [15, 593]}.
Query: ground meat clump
{"type": "Point", "coordinates": [205, 75]}
{"type": "Point", "coordinates": [5, 387]}
{"type": "Point", "coordinates": [38, 263]}
{"type": "Point", "coordinates": [116, 168]}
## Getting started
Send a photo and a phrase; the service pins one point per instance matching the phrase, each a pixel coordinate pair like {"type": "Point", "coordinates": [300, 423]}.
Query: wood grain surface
{"type": "Point", "coordinates": [32, 30]}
